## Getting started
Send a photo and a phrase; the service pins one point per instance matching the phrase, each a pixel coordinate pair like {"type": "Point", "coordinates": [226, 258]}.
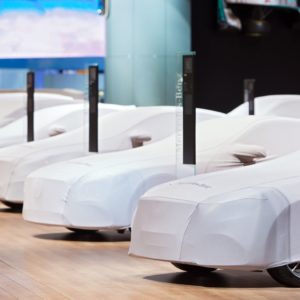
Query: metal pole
{"type": "Point", "coordinates": [30, 106]}
{"type": "Point", "coordinates": [249, 95]}
{"type": "Point", "coordinates": [189, 111]}
{"type": "Point", "coordinates": [93, 108]}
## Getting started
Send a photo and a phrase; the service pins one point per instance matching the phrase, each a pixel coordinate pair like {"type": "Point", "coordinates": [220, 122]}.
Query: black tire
{"type": "Point", "coordinates": [194, 270]}
{"type": "Point", "coordinates": [286, 276]}
{"type": "Point", "coordinates": [13, 205]}
{"type": "Point", "coordinates": [82, 231]}
{"type": "Point", "coordinates": [122, 231]}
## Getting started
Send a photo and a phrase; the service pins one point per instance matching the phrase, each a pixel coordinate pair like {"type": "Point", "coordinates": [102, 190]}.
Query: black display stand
{"type": "Point", "coordinates": [93, 105]}
{"type": "Point", "coordinates": [30, 106]}
{"type": "Point", "coordinates": [189, 111]}
{"type": "Point", "coordinates": [249, 95]}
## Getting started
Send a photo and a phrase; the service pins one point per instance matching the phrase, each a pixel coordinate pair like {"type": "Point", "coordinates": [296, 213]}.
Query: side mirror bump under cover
{"type": "Point", "coordinates": [139, 140]}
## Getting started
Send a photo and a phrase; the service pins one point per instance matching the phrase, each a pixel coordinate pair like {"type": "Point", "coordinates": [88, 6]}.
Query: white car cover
{"type": "Point", "coordinates": [248, 221]}
{"type": "Point", "coordinates": [63, 118]}
{"type": "Point", "coordinates": [74, 93]}
{"type": "Point", "coordinates": [49, 122]}
{"type": "Point", "coordinates": [13, 105]}
{"type": "Point", "coordinates": [101, 192]}
{"type": "Point", "coordinates": [272, 105]}
{"type": "Point", "coordinates": [119, 131]}
{"type": "Point", "coordinates": [15, 166]}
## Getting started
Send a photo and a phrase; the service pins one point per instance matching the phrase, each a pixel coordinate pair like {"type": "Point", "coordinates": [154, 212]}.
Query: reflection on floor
{"type": "Point", "coordinates": [40, 262]}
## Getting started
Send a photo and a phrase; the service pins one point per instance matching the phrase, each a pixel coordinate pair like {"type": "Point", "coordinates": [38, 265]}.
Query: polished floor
{"type": "Point", "coordinates": [41, 262]}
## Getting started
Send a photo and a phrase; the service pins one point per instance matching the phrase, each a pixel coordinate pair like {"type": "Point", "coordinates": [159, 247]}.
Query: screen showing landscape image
{"type": "Point", "coordinates": [51, 29]}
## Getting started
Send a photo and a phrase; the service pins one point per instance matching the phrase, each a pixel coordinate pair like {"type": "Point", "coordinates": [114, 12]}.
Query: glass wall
{"type": "Point", "coordinates": [143, 39]}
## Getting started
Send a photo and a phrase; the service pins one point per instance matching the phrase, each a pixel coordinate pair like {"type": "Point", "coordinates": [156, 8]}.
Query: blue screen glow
{"type": "Point", "coordinates": [43, 5]}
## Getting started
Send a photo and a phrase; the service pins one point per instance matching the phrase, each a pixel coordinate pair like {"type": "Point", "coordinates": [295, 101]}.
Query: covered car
{"type": "Point", "coordinates": [101, 192]}
{"type": "Point", "coordinates": [245, 218]}
{"type": "Point", "coordinates": [13, 104]}
{"type": "Point", "coordinates": [126, 129]}
{"type": "Point", "coordinates": [19, 160]}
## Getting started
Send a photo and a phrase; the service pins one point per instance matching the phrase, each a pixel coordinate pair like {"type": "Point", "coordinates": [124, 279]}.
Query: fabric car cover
{"type": "Point", "coordinates": [13, 105]}
{"type": "Point", "coordinates": [119, 131]}
{"type": "Point", "coordinates": [112, 183]}
{"type": "Point", "coordinates": [272, 105]}
{"type": "Point", "coordinates": [249, 221]}
{"type": "Point", "coordinates": [18, 161]}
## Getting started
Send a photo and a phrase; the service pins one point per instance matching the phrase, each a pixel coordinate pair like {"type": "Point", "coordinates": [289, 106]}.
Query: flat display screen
{"type": "Point", "coordinates": [35, 29]}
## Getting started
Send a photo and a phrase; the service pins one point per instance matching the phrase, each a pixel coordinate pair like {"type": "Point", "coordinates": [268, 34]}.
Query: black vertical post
{"type": "Point", "coordinates": [189, 112]}
{"type": "Point", "coordinates": [30, 106]}
{"type": "Point", "coordinates": [93, 105]}
{"type": "Point", "coordinates": [249, 95]}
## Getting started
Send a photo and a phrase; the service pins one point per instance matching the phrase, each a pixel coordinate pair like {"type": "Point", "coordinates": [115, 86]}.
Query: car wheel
{"type": "Point", "coordinates": [193, 269]}
{"type": "Point", "coordinates": [82, 231]}
{"type": "Point", "coordinates": [288, 275]}
{"type": "Point", "coordinates": [13, 205]}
